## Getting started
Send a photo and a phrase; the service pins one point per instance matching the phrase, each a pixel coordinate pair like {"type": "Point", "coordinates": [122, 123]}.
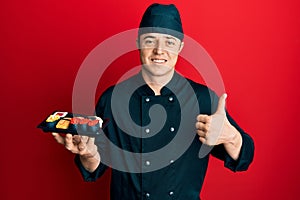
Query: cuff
{"type": "Point", "coordinates": [245, 157]}
{"type": "Point", "coordinates": [89, 176]}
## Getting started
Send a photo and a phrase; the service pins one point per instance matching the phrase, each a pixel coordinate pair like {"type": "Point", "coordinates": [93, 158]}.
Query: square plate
{"type": "Point", "coordinates": [66, 122]}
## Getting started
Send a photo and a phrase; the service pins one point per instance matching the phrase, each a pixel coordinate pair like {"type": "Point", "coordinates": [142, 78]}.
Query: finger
{"type": "Point", "coordinates": [58, 138]}
{"type": "Point", "coordinates": [202, 133]}
{"type": "Point", "coordinates": [85, 139]}
{"type": "Point", "coordinates": [83, 143]}
{"type": "Point", "coordinates": [202, 139]}
{"type": "Point", "coordinates": [91, 141]}
{"type": "Point", "coordinates": [222, 104]}
{"type": "Point", "coordinates": [76, 139]}
{"type": "Point", "coordinates": [91, 149]}
{"type": "Point", "coordinates": [202, 126]}
{"type": "Point", "coordinates": [69, 142]}
{"type": "Point", "coordinates": [203, 118]}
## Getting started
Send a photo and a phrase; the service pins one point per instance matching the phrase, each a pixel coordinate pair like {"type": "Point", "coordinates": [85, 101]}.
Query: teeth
{"type": "Point", "coordinates": [158, 61]}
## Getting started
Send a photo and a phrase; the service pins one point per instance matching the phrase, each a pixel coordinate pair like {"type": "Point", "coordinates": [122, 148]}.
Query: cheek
{"type": "Point", "coordinates": [174, 59]}
{"type": "Point", "coordinates": [144, 54]}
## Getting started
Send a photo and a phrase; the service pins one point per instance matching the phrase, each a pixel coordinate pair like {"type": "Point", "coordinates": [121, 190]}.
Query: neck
{"type": "Point", "coordinates": [156, 83]}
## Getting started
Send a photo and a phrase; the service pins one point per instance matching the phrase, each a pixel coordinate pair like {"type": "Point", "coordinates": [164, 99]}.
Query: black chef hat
{"type": "Point", "coordinates": [159, 18]}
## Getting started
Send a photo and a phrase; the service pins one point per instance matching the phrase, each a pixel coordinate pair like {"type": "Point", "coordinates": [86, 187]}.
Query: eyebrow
{"type": "Point", "coordinates": [170, 37]}
{"type": "Point", "coordinates": [153, 37]}
{"type": "Point", "coordinates": [149, 36]}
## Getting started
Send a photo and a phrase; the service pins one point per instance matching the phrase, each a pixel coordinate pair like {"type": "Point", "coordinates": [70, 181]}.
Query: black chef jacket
{"type": "Point", "coordinates": [182, 172]}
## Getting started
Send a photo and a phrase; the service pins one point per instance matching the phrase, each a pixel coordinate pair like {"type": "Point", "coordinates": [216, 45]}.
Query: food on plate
{"type": "Point", "coordinates": [63, 124]}
{"type": "Point", "coordinates": [52, 118]}
{"type": "Point", "coordinates": [84, 121]}
{"type": "Point", "coordinates": [93, 122]}
{"type": "Point", "coordinates": [93, 125]}
{"type": "Point", "coordinates": [61, 114]}
{"type": "Point", "coordinates": [76, 120]}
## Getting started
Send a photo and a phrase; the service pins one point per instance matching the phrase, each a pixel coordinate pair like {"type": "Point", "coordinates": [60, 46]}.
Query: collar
{"type": "Point", "coordinates": [171, 87]}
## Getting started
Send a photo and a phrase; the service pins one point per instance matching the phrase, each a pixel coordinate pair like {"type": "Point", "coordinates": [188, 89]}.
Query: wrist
{"type": "Point", "coordinates": [234, 144]}
{"type": "Point", "coordinates": [232, 134]}
{"type": "Point", "coordinates": [90, 162]}
{"type": "Point", "coordinates": [90, 155]}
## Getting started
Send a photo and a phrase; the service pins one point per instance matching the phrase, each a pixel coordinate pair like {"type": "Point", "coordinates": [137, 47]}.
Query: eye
{"type": "Point", "coordinates": [148, 42]}
{"type": "Point", "coordinates": [170, 43]}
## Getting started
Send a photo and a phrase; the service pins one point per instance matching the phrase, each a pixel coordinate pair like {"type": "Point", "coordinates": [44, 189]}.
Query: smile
{"type": "Point", "coordinates": [158, 60]}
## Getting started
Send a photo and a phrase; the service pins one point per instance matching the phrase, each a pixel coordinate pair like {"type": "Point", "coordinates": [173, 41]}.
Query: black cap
{"type": "Point", "coordinates": [159, 18]}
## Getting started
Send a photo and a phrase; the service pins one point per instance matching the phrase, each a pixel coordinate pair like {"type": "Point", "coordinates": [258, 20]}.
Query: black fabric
{"type": "Point", "coordinates": [181, 179]}
{"type": "Point", "coordinates": [159, 18]}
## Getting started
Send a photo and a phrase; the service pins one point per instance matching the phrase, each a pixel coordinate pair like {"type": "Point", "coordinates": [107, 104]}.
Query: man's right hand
{"type": "Point", "coordinates": [82, 145]}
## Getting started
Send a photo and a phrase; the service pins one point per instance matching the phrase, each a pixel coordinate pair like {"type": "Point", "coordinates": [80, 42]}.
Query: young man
{"type": "Point", "coordinates": [154, 150]}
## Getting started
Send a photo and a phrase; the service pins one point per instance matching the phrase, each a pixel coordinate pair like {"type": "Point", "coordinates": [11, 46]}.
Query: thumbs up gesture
{"type": "Point", "coordinates": [215, 129]}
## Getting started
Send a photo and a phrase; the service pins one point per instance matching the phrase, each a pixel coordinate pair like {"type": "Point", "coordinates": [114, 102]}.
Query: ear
{"type": "Point", "coordinates": [137, 43]}
{"type": "Point", "coordinates": [181, 47]}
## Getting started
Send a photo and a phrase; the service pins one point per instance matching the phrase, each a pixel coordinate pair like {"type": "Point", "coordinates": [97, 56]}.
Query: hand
{"type": "Point", "coordinates": [215, 129]}
{"type": "Point", "coordinates": [82, 145]}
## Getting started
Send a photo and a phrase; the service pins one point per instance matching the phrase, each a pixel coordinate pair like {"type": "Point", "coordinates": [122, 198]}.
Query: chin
{"type": "Point", "coordinates": [160, 72]}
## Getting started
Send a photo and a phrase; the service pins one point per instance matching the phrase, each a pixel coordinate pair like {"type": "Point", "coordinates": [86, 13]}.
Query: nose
{"type": "Point", "coordinates": [158, 47]}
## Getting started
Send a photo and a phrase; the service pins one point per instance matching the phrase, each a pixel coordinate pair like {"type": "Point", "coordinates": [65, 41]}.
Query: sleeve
{"type": "Point", "coordinates": [246, 153]}
{"type": "Point", "coordinates": [90, 176]}
{"type": "Point", "coordinates": [101, 108]}
{"type": "Point", "coordinates": [247, 149]}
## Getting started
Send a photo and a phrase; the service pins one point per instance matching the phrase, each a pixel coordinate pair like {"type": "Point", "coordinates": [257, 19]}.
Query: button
{"type": "Point", "coordinates": [171, 99]}
{"type": "Point", "coordinates": [171, 193]}
{"type": "Point", "coordinates": [147, 130]}
{"type": "Point", "coordinates": [147, 195]}
{"type": "Point", "coordinates": [147, 163]}
{"type": "Point", "coordinates": [171, 161]}
{"type": "Point", "coordinates": [147, 99]}
{"type": "Point", "coordinates": [172, 129]}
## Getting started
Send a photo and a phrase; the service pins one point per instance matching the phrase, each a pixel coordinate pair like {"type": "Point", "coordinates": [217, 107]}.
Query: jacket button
{"type": "Point", "coordinates": [171, 161]}
{"type": "Point", "coordinates": [147, 99]}
{"type": "Point", "coordinates": [171, 193]}
{"type": "Point", "coordinates": [172, 129]}
{"type": "Point", "coordinates": [171, 99]}
{"type": "Point", "coordinates": [147, 195]}
{"type": "Point", "coordinates": [147, 130]}
{"type": "Point", "coordinates": [147, 163]}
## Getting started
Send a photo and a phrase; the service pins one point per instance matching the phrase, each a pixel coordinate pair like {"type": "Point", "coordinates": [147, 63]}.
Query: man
{"type": "Point", "coordinates": [193, 118]}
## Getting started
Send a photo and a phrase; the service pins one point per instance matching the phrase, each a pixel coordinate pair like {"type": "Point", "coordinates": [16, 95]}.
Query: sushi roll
{"type": "Point", "coordinates": [82, 126]}
{"type": "Point", "coordinates": [93, 125]}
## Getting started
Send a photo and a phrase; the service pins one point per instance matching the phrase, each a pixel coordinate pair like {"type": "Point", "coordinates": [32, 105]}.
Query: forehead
{"type": "Point", "coordinates": [157, 36]}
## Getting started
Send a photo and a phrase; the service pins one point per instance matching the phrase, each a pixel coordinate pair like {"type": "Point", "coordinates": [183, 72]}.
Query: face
{"type": "Point", "coordinates": [159, 53]}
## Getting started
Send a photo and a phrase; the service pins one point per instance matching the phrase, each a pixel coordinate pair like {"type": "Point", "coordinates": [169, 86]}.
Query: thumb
{"type": "Point", "coordinates": [222, 104]}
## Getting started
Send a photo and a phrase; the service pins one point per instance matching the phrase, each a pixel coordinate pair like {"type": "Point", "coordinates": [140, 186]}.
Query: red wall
{"type": "Point", "coordinates": [255, 45]}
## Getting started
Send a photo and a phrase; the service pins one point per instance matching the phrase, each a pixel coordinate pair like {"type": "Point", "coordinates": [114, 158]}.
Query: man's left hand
{"type": "Point", "coordinates": [215, 129]}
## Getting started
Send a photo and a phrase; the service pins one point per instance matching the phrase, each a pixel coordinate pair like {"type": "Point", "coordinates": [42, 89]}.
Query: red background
{"type": "Point", "coordinates": [255, 45]}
